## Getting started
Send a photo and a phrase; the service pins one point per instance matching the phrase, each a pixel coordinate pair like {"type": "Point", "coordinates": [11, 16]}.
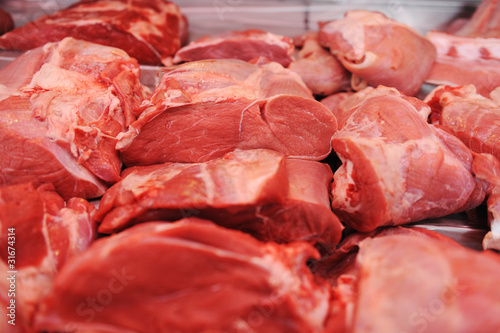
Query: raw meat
{"type": "Point", "coordinates": [474, 119]}
{"type": "Point", "coordinates": [244, 45]}
{"type": "Point", "coordinates": [189, 276]}
{"type": "Point", "coordinates": [47, 232]}
{"type": "Point", "coordinates": [489, 171]}
{"type": "Point", "coordinates": [342, 259]}
{"type": "Point", "coordinates": [334, 104]}
{"type": "Point", "coordinates": [6, 22]}
{"type": "Point", "coordinates": [237, 181]}
{"type": "Point", "coordinates": [306, 214]}
{"type": "Point", "coordinates": [492, 238]}
{"type": "Point", "coordinates": [256, 191]}
{"type": "Point", "coordinates": [396, 168]}
{"type": "Point", "coordinates": [465, 60]}
{"type": "Point", "coordinates": [483, 23]}
{"type": "Point", "coordinates": [149, 30]}
{"type": "Point", "coordinates": [468, 53]}
{"type": "Point", "coordinates": [379, 51]}
{"type": "Point", "coordinates": [407, 281]}
{"type": "Point", "coordinates": [205, 109]}
{"type": "Point", "coordinates": [319, 69]}
{"type": "Point", "coordinates": [62, 106]}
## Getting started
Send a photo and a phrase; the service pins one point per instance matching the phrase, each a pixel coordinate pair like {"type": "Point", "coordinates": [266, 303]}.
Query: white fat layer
{"type": "Point", "coordinates": [52, 77]}
{"type": "Point", "coordinates": [465, 47]}
{"type": "Point", "coordinates": [315, 305]}
{"type": "Point", "coordinates": [343, 181]}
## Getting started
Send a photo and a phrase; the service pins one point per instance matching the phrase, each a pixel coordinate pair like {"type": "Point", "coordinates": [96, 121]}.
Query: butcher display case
{"type": "Point", "coordinates": [227, 194]}
{"type": "Point", "coordinates": [288, 18]}
{"type": "Point", "coordinates": [292, 18]}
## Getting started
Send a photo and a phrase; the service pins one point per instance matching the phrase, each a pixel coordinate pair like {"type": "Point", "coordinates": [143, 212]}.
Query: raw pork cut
{"type": "Point", "coordinates": [396, 168]}
{"type": "Point", "coordinates": [413, 281]}
{"type": "Point", "coordinates": [468, 53]}
{"type": "Point", "coordinates": [47, 232]}
{"type": "Point", "coordinates": [257, 191]}
{"type": "Point", "coordinates": [6, 22]}
{"type": "Point", "coordinates": [244, 45]}
{"type": "Point", "coordinates": [465, 60]}
{"type": "Point", "coordinates": [379, 51]}
{"type": "Point", "coordinates": [319, 69]}
{"type": "Point", "coordinates": [474, 119]}
{"type": "Point", "coordinates": [62, 106]}
{"type": "Point", "coordinates": [489, 170]}
{"type": "Point", "coordinates": [483, 23]}
{"type": "Point", "coordinates": [205, 109]}
{"type": "Point", "coordinates": [149, 30]}
{"type": "Point", "coordinates": [189, 276]}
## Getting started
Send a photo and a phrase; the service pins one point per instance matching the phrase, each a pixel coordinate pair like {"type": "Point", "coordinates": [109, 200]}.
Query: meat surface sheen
{"type": "Point", "coordinates": [306, 214]}
{"type": "Point", "coordinates": [44, 232]}
{"type": "Point", "coordinates": [257, 191]}
{"type": "Point", "coordinates": [232, 184]}
{"type": "Point", "coordinates": [396, 168]}
{"type": "Point", "coordinates": [205, 109]}
{"type": "Point", "coordinates": [415, 282]}
{"type": "Point", "coordinates": [62, 105]}
{"type": "Point", "coordinates": [474, 119]}
{"type": "Point", "coordinates": [150, 31]}
{"type": "Point", "coordinates": [468, 52]}
{"type": "Point", "coordinates": [465, 60]}
{"type": "Point", "coordinates": [244, 45]}
{"type": "Point", "coordinates": [321, 71]}
{"type": "Point", "coordinates": [379, 51]}
{"type": "Point", "coordinates": [241, 284]}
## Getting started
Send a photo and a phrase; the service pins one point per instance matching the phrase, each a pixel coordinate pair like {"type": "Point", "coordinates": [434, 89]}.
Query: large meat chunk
{"type": "Point", "coordinates": [397, 168]}
{"type": "Point", "coordinates": [169, 191]}
{"type": "Point", "coordinates": [61, 107]}
{"type": "Point", "coordinates": [149, 30]}
{"type": "Point", "coordinates": [189, 276]}
{"type": "Point", "coordinates": [379, 51]}
{"type": "Point", "coordinates": [320, 70]}
{"type": "Point", "coordinates": [409, 281]}
{"type": "Point", "coordinates": [205, 109]}
{"type": "Point", "coordinates": [257, 191]}
{"type": "Point", "coordinates": [468, 53]}
{"type": "Point", "coordinates": [39, 232]}
{"type": "Point", "coordinates": [244, 45]}
{"type": "Point", "coordinates": [474, 119]}
{"type": "Point", "coordinates": [465, 60]}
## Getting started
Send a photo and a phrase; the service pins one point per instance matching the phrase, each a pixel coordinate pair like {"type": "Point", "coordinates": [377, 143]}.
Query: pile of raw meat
{"type": "Point", "coordinates": [260, 187]}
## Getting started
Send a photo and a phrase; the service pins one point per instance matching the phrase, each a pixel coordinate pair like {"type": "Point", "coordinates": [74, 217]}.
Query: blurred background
{"type": "Point", "coordinates": [285, 17]}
